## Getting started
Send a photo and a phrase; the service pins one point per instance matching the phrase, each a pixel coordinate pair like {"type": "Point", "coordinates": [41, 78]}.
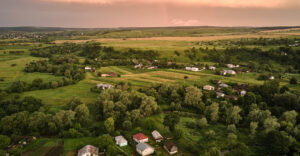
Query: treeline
{"type": "Point", "coordinates": [63, 49]}
{"type": "Point", "coordinates": [259, 60]}
{"type": "Point", "coordinates": [38, 84]}
{"type": "Point", "coordinates": [265, 41]}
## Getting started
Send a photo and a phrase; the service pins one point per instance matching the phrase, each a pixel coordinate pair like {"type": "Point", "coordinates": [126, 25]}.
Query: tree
{"type": "Point", "coordinates": [212, 112]}
{"type": "Point", "coordinates": [202, 123]}
{"type": "Point", "coordinates": [249, 98]}
{"type": "Point", "coordinates": [104, 141]}
{"type": "Point", "coordinates": [170, 120]}
{"type": "Point", "coordinates": [231, 128]}
{"type": "Point", "coordinates": [271, 124]}
{"type": "Point", "coordinates": [4, 141]}
{"type": "Point", "coordinates": [148, 105]}
{"type": "Point", "coordinates": [73, 103]}
{"type": "Point", "coordinates": [253, 127]}
{"type": "Point", "coordinates": [214, 151]}
{"type": "Point", "coordinates": [109, 125]}
{"type": "Point", "coordinates": [127, 125]}
{"type": "Point", "coordinates": [293, 80]}
{"type": "Point", "coordinates": [82, 114]}
{"type": "Point", "coordinates": [193, 96]}
{"type": "Point", "coordinates": [278, 143]}
{"type": "Point", "coordinates": [209, 135]}
{"type": "Point", "coordinates": [233, 116]}
{"type": "Point", "coordinates": [290, 116]}
{"type": "Point", "coordinates": [231, 139]}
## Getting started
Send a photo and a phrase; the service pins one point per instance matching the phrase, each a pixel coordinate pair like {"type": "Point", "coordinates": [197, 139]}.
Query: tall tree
{"type": "Point", "coordinates": [170, 120]}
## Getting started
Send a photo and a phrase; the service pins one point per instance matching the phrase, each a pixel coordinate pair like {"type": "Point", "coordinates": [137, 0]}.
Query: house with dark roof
{"type": "Point", "coordinates": [170, 147]}
{"type": "Point", "coordinates": [144, 149]}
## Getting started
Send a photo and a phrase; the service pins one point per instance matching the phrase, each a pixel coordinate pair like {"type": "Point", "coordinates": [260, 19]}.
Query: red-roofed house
{"type": "Point", "coordinates": [140, 137]}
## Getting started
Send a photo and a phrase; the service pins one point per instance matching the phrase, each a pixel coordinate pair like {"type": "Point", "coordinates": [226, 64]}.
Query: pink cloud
{"type": "Point", "coordinates": [179, 22]}
{"type": "Point", "coordinates": [213, 3]}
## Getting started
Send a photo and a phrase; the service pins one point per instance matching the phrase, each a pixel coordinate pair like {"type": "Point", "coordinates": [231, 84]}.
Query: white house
{"type": "Point", "coordinates": [227, 72]}
{"type": "Point", "coordinates": [223, 85]}
{"type": "Point", "coordinates": [208, 87]}
{"type": "Point", "coordinates": [144, 149]}
{"type": "Point", "coordinates": [121, 141]}
{"type": "Point", "coordinates": [232, 66]}
{"type": "Point", "coordinates": [104, 86]}
{"type": "Point", "coordinates": [157, 136]}
{"type": "Point", "coordinates": [212, 68]}
{"type": "Point", "coordinates": [271, 78]}
{"type": "Point", "coordinates": [140, 137]}
{"type": "Point", "coordinates": [192, 69]}
{"type": "Point", "coordinates": [87, 68]}
{"type": "Point", "coordinates": [220, 94]}
{"type": "Point", "coordinates": [243, 92]}
{"type": "Point", "coordinates": [152, 67]}
{"type": "Point", "coordinates": [138, 66]}
{"type": "Point", "coordinates": [88, 150]}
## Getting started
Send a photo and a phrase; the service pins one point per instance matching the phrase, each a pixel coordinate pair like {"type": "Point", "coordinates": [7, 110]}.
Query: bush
{"type": "Point", "coordinates": [231, 128]}
{"type": "Point", "coordinates": [202, 123]}
{"type": "Point", "coordinates": [293, 80]}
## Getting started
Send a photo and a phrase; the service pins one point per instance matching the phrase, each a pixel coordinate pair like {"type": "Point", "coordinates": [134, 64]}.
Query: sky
{"type": "Point", "coordinates": [148, 13]}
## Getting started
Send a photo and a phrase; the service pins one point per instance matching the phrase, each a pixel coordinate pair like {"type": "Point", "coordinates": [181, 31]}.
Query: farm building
{"type": "Point", "coordinates": [192, 69]}
{"type": "Point", "coordinates": [88, 150]}
{"type": "Point", "coordinates": [216, 81]}
{"type": "Point", "coordinates": [87, 68]}
{"type": "Point", "coordinates": [212, 68]}
{"type": "Point", "coordinates": [223, 85]}
{"type": "Point", "coordinates": [140, 137]}
{"type": "Point", "coordinates": [157, 136]}
{"type": "Point", "coordinates": [109, 74]}
{"type": "Point", "coordinates": [220, 94]}
{"type": "Point", "coordinates": [232, 97]}
{"type": "Point", "coordinates": [144, 149]}
{"type": "Point", "coordinates": [208, 87]}
{"type": "Point", "coordinates": [170, 147]}
{"type": "Point", "coordinates": [232, 66]}
{"type": "Point", "coordinates": [103, 86]}
{"type": "Point", "coordinates": [227, 72]}
{"type": "Point", "coordinates": [138, 66]}
{"type": "Point", "coordinates": [152, 67]}
{"type": "Point", "coordinates": [271, 78]}
{"type": "Point", "coordinates": [121, 141]}
{"type": "Point", "coordinates": [243, 92]}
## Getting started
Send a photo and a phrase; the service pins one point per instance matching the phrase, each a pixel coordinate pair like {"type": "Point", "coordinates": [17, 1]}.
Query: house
{"type": "Point", "coordinates": [220, 94]}
{"type": "Point", "coordinates": [103, 86]}
{"type": "Point", "coordinates": [88, 150]}
{"type": "Point", "coordinates": [170, 147]}
{"type": "Point", "coordinates": [138, 66]}
{"type": "Point", "coordinates": [208, 87]}
{"type": "Point", "coordinates": [216, 81]}
{"type": "Point", "coordinates": [212, 68]}
{"type": "Point", "coordinates": [144, 149]}
{"type": "Point", "coordinates": [87, 68]}
{"type": "Point", "coordinates": [109, 74]}
{"type": "Point", "coordinates": [271, 78]}
{"type": "Point", "coordinates": [157, 136]}
{"type": "Point", "coordinates": [232, 66]}
{"type": "Point", "coordinates": [121, 141]}
{"type": "Point", "coordinates": [192, 69]}
{"type": "Point", "coordinates": [223, 85]}
{"type": "Point", "coordinates": [232, 97]}
{"type": "Point", "coordinates": [152, 67]}
{"type": "Point", "coordinates": [243, 92]}
{"type": "Point", "coordinates": [227, 72]}
{"type": "Point", "coordinates": [140, 137]}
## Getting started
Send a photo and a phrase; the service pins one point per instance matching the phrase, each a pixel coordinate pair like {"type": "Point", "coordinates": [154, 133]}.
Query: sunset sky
{"type": "Point", "coordinates": [149, 13]}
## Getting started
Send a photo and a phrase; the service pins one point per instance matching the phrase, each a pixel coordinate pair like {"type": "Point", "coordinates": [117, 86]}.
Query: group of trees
{"type": "Point", "coordinates": [126, 108]}
{"type": "Point", "coordinates": [29, 119]}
